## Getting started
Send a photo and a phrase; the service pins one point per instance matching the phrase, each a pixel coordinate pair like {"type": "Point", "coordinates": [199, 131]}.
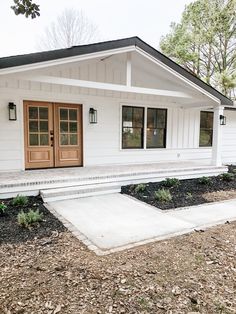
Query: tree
{"type": "Point", "coordinates": [26, 7]}
{"type": "Point", "coordinates": [70, 28]}
{"type": "Point", "coordinates": [204, 42]}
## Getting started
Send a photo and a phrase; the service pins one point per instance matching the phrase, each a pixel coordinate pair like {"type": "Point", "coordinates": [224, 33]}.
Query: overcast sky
{"type": "Point", "coordinates": [115, 19]}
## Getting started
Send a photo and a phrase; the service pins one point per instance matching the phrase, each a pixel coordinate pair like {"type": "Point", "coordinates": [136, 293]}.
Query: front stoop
{"type": "Point", "coordinates": [83, 186]}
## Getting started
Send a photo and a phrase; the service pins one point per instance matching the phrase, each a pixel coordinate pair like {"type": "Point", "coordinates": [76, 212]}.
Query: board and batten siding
{"type": "Point", "coordinates": [102, 141]}
{"type": "Point", "coordinates": [229, 137]}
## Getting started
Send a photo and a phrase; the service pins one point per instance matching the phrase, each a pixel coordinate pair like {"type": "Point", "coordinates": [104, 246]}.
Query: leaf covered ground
{"type": "Point", "coordinates": [194, 273]}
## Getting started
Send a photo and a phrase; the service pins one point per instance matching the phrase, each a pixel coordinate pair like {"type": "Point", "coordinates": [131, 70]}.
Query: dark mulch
{"type": "Point", "coordinates": [187, 193]}
{"type": "Point", "coordinates": [12, 232]}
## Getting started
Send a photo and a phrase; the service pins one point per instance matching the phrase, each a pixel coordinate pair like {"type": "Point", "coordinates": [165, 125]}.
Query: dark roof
{"type": "Point", "coordinates": [31, 58]}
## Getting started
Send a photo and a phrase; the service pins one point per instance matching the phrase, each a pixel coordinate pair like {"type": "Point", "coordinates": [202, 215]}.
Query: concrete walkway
{"type": "Point", "coordinates": [109, 223]}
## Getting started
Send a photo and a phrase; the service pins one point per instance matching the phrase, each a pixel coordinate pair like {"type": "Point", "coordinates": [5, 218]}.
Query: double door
{"type": "Point", "coordinates": [53, 135]}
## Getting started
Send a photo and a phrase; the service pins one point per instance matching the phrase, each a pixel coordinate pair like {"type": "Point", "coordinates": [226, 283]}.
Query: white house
{"type": "Point", "coordinates": [109, 103]}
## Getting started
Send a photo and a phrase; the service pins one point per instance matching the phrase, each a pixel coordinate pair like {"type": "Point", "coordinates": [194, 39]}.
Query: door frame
{"type": "Point", "coordinates": [24, 133]}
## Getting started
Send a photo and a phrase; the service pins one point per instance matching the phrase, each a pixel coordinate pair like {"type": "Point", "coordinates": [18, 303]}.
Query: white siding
{"type": "Point", "coordinates": [102, 142]}
{"type": "Point", "coordinates": [229, 137]}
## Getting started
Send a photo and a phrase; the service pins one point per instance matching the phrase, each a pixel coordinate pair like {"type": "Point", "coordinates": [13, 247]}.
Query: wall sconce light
{"type": "Point", "coordinates": [222, 120]}
{"type": "Point", "coordinates": [12, 111]}
{"type": "Point", "coordinates": [92, 116]}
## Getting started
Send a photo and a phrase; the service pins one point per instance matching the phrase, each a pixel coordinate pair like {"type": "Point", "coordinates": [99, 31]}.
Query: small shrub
{"type": "Point", "coordinates": [20, 200]}
{"type": "Point", "coordinates": [204, 180]}
{"type": "Point", "coordinates": [189, 196]}
{"type": "Point", "coordinates": [171, 182]}
{"type": "Point", "coordinates": [163, 195]}
{"type": "Point", "coordinates": [140, 188]}
{"type": "Point", "coordinates": [227, 176]}
{"type": "Point", "coordinates": [3, 208]}
{"type": "Point", "coordinates": [27, 219]}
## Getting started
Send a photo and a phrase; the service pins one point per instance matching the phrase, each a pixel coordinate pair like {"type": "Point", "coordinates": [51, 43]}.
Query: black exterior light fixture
{"type": "Point", "coordinates": [12, 111]}
{"type": "Point", "coordinates": [92, 116]}
{"type": "Point", "coordinates": [222, 120]}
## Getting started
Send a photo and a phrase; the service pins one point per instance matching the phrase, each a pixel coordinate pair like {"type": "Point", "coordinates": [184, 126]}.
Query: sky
{"type": "Point", "coordinates": [115, 19]}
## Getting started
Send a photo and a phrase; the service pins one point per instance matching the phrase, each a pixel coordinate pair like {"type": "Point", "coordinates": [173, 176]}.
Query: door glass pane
{"type": "Point", "coordinates": [33, 112]}
{"type": "Point", "coordinates": [44, 139]}
{"type": "Point", "coordinates": [73, 139]}
{"type": "Point", "coordinates": [64, 127]}
{"type": "Point", "coordinates": [63, 114]}
{"type": "Point", "coordinates": [34, 140]}
{"type": "Point", "coordinates": [43, 126]}
{"type": "Point", "coordinates": [33, 126]}
{"type": "Point", "coordinates": [73, 127]}
{"type": "Point", "coordinates": [43, 113]}
{"type": "Point", "coordinates": [64, 139]}
{"type": "Point", "coordinates": [73, 114]}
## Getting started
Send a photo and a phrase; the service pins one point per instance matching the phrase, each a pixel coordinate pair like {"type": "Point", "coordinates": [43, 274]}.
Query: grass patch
{"type": "Point", "coordinates": [170, 182]}
{"type": "Point", "coordinates": [163, 195]}
{"type": "Point", "coordinates": [20, 200]}
{"type": "Point", "coordinates": [29, 218]}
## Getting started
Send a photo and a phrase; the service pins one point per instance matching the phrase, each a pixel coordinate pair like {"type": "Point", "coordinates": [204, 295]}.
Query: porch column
{"type": "Point", "coordinates": [217, 137]}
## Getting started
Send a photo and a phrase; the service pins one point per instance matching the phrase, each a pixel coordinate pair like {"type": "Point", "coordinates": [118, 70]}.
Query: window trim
{"type": "Point", "coordinates": [165, 128]}
{"type": "Point", "coordinates": [212, 129]}
{"type": "Point", "coordinates": [144, 139]}
{"type": "Point", "coordinates": [143, 128]}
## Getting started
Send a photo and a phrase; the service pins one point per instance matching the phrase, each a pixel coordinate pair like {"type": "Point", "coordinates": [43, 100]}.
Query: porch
{"type": "Point", "coordinates": [62, 183]}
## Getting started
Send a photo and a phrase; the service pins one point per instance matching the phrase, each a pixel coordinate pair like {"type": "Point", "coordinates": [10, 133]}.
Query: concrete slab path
{"type": "Point", "coordinates": [113, 222]}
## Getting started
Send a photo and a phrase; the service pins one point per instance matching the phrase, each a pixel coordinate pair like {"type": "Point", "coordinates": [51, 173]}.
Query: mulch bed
{"type": "Point", "coordinates": [187, 193]}
{"type": "Point", "coordinates": [12, 232]}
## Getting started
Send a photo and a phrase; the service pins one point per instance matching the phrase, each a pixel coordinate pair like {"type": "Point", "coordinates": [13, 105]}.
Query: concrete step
{"type": "Point", "coordinates": [51, 195]}
{"type": "Point", "coordinates": [34, 187]}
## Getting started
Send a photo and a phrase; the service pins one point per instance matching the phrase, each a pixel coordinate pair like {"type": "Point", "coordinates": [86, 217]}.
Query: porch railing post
{"type": "Point", "coordinates": [217, 137]}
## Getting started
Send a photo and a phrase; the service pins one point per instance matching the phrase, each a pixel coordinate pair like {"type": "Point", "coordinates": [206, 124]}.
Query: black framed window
{"type": "Point", "coordinates": [206, 129]}
{"type": "Point", "coordinates": [132, 127]}
{"type": "Point", "coordinates": [156, 128]}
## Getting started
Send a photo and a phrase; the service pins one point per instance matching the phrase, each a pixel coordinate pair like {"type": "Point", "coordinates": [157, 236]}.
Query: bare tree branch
{"type": "Point", "coordinates": [70, 28]}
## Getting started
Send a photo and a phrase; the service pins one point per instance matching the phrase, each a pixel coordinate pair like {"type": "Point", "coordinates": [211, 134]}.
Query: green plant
{"type": "Point", "coordinates": [3, 208]}
{"type": "Point", "coordinates": [163, 195]}
{"type": "Point", "coordinates": [227, 176]}
{"type": "Point", "coordinates": [27, 219]}
{"type": "Point", "coordinates": [204, 180]}
{"type": "Point", "coordinates": [170, 182]}
{"type": "Point", "coordinates": [189, 196]}
{"type": "Point", "coordinates": [140, 188]}
{"type": "Point", "coordinates": [20, 200]}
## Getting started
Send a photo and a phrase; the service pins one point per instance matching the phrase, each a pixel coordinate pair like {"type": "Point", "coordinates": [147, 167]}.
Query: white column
{"type": "Point", "coordinates": [217, 137]}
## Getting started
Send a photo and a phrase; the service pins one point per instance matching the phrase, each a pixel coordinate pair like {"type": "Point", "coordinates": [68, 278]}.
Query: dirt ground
{"type": "Point", "coordinates": [194, 273]}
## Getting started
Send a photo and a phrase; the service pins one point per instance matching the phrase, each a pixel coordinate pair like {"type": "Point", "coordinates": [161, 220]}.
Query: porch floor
{"type": "Point", "coordinates": [122, 174]}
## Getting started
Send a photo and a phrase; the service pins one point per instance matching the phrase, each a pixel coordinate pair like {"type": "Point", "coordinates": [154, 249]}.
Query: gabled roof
{"type": "Point", "coordinates": [14, 61]}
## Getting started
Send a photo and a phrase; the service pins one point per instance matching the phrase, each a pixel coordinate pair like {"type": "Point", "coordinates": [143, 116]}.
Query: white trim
{"type": "Point", "coordinates": [40, 65]}
{"type": "Point", "coordinates": [145, 106]}
{"type": "Point", "coordinates": [105, 86]}
{"type": "Point", "coordinates": [129, 69]}
{"type": "Point", "coordinates": [164, 66]}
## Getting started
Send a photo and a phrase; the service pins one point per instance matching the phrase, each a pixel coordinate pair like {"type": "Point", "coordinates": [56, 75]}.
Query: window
{"type": "Point", "coordinates": [206, 129]}
{"type": "Point", "coordinates": [156, 128]}
{"type": "Point", "coordinates": [132, 127]}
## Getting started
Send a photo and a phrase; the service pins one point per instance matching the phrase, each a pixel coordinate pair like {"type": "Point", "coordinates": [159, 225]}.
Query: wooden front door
{"type": "Point", "coordinates": [53, 135]}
